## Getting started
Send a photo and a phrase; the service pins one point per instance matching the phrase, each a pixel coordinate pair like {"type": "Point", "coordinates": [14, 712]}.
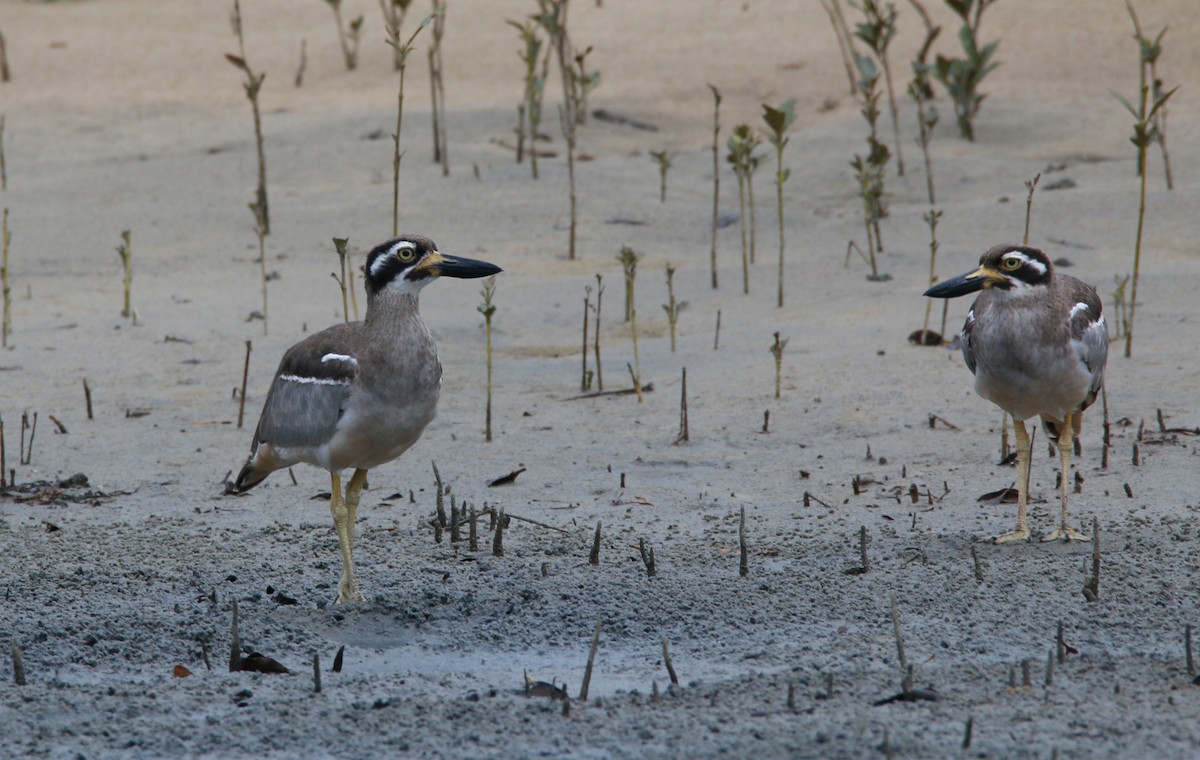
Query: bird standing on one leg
{"type": "Point", "coordinates": [1037, 344]}
{"type": "Point", "coordinates": [359, 394]}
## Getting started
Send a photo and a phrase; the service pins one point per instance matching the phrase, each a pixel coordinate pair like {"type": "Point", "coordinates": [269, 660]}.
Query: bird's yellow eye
{"type": "Point", "coordinates": [406, 253]}
{"type": "Point", "coordinates": [1011, 264]}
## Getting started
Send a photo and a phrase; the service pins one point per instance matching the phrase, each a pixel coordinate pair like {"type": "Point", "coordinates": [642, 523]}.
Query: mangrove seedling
{"type": "Point", "coordinates": [349, 36]}
{"type": "Point", "coordinates": [394, 12]}
{"type": "Point", "coordinates": [672, 307]}
{"type": "Point", "coordinates": [5, 287]}
{"type": "Point", "coordinates": [741, 145]}
{"type": "Point", "coordinates": [752, 164]}
{"type": "Point", "coordinates": [921, 93]}
{"type": "Point", "coordinates": [776, 350]}
{"type": "Point", "coordinates": [961, 76]}
{"type": "Point", "coordinates": [596, 332]}
{"type": "Point", "coordinates": [716, 147]}
{"type": "Point", "coordinates": [5, 75]}
{"type": "Point", "coordinates": [125, 252]}
{"type": "Point", "coordinates": [926, 338]}
{"type": "Point", "coordinates": [529, 111]}
{"type": "Point", "coordinates": [877, 31]}
{"type": "Point", "coordinates": [437, 87]}
{"type": "Point", "coordinates": [663, 159]}
{"type": "Point", "coordinates": [487, 309]}
{"type": "Point", "coordinates": [252, 86]}
{"type": "Point", "coordinates": [553, 19]}
{"type": "Point", "coordinates": [1144, 133]}
{"type": "Point", "coordinates": [3, 168]}
{"type": "Point", "coordinates": [629, 261]}
{"type": "Point", "coordinates": [869, 171]}
{"type": "Point", "coordinates": [585, 82]}
{"type": "Point", "coordinates": [735, 158]}
{"type": "Point", "coordinates": [401, 51]}
{"type": "Point", "coordinates": [339, 245]}
{"type": "Point", "coordinates": [260, 230]}
{"type": "Point", "coordinates": [841, 30]}
{"type": "Point", "coordinates": [778, 121]}
{"type": "Point", "coordinates": [585, 377]}
{"type": "Point", "coordinates": [1150, 50]}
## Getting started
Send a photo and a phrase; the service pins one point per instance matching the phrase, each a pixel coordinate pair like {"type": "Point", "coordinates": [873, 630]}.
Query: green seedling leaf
{"type": "Point", "coordinates": [866, 67]}
{"type": "Point", "coordinates": [1162, 101]}
{"type": "Point", "coordinates": [779, 119]}
{"type": "Point", "coordinates": [1128, 106]}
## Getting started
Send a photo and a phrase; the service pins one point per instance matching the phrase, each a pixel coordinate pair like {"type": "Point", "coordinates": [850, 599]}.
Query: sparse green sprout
{"type": "Point", "coordinates": [125, 252]}
{"type": "Point", "coordinates": [663, 159]}
{"type": "Point", "coordinates": [339, 245]}
{"type": "Point", "coordinates": [394, 12]}
{"type": "Point", "coordinates": [741, 145]}
{"type": "Point", "coordinates": [348, 37]}
{"type": "Point", "coordinates": [672, 307]}
{"type": "Point", "coordinates": [1149, 52]}
{"type": "Point", "coordinates": [1144, 133]}
{"type": "Point", "coordinates": [401, 51]}
{"type": "Point", "coordinates": [869, 171]}
{"type": "Point", "coordinates": [778, 121]}
{"type": "Point", "coordinates": [921, 93]}
{"type": "Point", "coordinates": [252, 86]}
{"type": "Point", "coordinates": [585, 82]}
{"type": "Point", "coordinates": [629, 260]}
{"type": "Point", "coordinates": [529, 112]}
{"type": "Point", "coordinates": [877, 31]}
{"type": "Point", "coordinates": [752, 164]}
{"type": "Point", "coordinates": [776, 350]}
{"type": "Point", "coordinates": [716, 148]}
{"type": "Point", "coordinates": [961, 76]}
{"type": "Point", "coordinates": [552, 17]}
{"type": "Point", "coordinates": [487, 309]}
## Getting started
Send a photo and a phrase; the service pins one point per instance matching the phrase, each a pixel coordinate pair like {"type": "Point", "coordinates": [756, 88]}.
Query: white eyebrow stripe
{"type": "Point", "coordinates": [1029, 262]}
{"type": "Point", "coordinates": [339, 358]}
{"type": "Point", "coordinates": [314, 380]}
{"type": "Point", "coordinates": [380, 261]}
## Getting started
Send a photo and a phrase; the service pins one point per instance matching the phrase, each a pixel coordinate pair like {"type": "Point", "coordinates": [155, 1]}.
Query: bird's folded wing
{"type": "Point", "coordinates": [308, 396]}
{"type": "Point", "coordinates": [1089, 333]}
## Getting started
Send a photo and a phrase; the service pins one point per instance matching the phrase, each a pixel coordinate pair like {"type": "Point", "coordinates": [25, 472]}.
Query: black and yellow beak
{"type": "Point", "coordinates": [983, 277]}
{"type": "Point", "coordinates": [437, 264]}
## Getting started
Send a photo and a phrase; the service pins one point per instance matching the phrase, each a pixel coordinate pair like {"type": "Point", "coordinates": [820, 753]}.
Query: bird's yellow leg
{"type": "Point", "coordinates": [1066, 441]}
{"type": "Point", "coordinates": [343, 523]}
{"type": "Point", "coordinates": [1023, 458]}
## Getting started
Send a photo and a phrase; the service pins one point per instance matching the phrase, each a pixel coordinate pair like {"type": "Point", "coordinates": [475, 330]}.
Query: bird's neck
{"type": "Point", "coordinates": [391, 308]}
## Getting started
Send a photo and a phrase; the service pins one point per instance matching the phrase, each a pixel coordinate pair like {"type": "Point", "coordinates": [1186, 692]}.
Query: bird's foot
{"type": "Point", "coordinates": [349, 593]}
{"type": "Point", "coordinates": [1020, 534]}
{"type": "Point", "coordinates": [1066, 533]}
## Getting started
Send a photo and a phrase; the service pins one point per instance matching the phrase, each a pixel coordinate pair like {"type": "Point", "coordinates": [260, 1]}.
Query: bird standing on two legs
{"type": "Point", "coordinates": [357, 395]}
{"type": "Point", "coordinates": [1037, 344]}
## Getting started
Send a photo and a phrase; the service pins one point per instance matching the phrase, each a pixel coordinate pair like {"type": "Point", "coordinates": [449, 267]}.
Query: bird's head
{"type": "Point", "coordinates": [407, 264]}
{"type": "Point", "coordinates": [1016, 268]}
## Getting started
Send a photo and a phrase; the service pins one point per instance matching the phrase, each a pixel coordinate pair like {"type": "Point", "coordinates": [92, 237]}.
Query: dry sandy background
{"type": "Point", "coordinates": [124, 115]}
